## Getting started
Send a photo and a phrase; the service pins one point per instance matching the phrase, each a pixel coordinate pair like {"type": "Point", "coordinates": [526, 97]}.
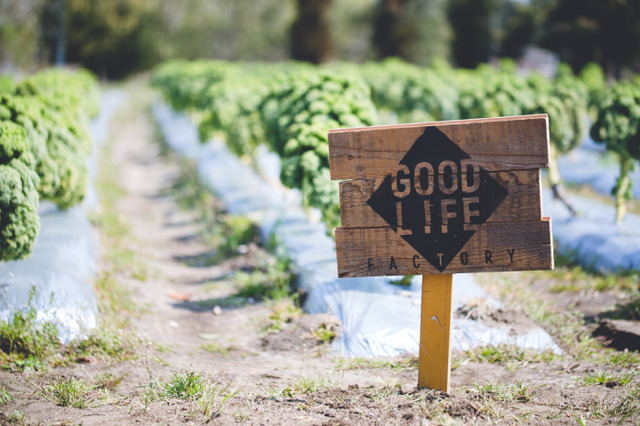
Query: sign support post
{"type": "Point", "coordinates": [434, 363]}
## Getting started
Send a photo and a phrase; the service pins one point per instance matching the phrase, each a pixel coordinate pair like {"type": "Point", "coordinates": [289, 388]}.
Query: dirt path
{"type": "Point", "coordinates": [259, 378]}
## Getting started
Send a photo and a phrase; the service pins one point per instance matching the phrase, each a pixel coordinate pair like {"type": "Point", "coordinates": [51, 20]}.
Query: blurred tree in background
{"type": "Point", "coordinates": [352, 29]}
{"type": "Point", "coordinates": [310, 32]}
{"type": "Point", "coordinates": [19, 29]}
{"type": "Point", "coordinates": [414, 30]}
{"type": "Point", "coordinates": [475, 30]}
{"type": "Point", "coordinates": [602, 31]}
{"type": "Point", "coordinates": [115, 38]}
{"type": "Point", "coordinates": [234, 30]}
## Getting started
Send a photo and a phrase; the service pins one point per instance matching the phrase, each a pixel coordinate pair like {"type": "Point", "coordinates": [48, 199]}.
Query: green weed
{"type": "Point", "coordinates": [215, 347]}
{"type": "Point", "coordinates": [396, 364]}
{"type": "Point", "coordinates": [625, 408]}
{"type": "Point", "coordinates": [107, 381]}
{"type": "Point", "coordinates": [207, 401]}
{"type": "Point", "coordinates": [71, 392]}
{"type": "Point", "coordinates": [325, 333]}
{"type": "Point", "coordinates": [272, 281]}
{"type": "Point", "coordinates": [405, 281]}
{"type": "Point", "coordinates": [107, 343]}
{"type": "Point", "coordinates": [573, 277]}
{"type": "Point", "coordinates": [5, 396]}
{"type": "Point", "coordinates": [185, 385]}
{"type": "Point", "coordinates": [626, 311]}
{"type": "Point", "coordinates": [283, 311]}
{"type": "Point", "coordinates": [230, 234]}
{"type": "Point", "coordinates": [515, 392]}
{"type": "Point", "coordinates": [17, 417]}
{"type": "Point", "coordinates": [303, 385]}
{"type": "Point", "coordinates": [608, 379]}
{"type": "Point", "coordinates": [25, 342]}
{"type": "Point", "coordinates": [505, 354]}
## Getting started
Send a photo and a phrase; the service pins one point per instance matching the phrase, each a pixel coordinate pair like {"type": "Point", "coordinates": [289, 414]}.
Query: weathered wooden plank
{"type": "Point", "coordinates": [497, 144]}
{"type": "Point", "coordinates": [521, 204]}
{"type": "Point", "coordinates": [500, 246]}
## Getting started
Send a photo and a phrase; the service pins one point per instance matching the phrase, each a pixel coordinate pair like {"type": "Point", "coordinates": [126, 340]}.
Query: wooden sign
{"type": "Point", "coordinates": [435, 199]}
{"type": "Point", "coordinates": [442, 198]}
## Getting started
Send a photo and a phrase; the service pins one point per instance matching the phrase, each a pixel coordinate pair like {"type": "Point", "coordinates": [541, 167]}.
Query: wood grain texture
{"type": "Point", "coordinates": [523, 202]}
{"type": "Point", "coordinates": [496, 144]}
{"type": "Point", "coordinates": [434, 362]}
{"type": "Point", "coordinates": [369, 251]}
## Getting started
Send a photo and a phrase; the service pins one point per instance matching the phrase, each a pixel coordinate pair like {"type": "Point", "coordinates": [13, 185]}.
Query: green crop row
{"type": "Point", "coordinates": [288, 106]}
{"type": "Point", "coordinates": [291, 107]}
{"type": "Point", "coordinates": [44, 147]}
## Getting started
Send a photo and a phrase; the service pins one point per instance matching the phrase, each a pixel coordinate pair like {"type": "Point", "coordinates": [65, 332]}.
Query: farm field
{"type": "Point", "coordinates": [198, 326]}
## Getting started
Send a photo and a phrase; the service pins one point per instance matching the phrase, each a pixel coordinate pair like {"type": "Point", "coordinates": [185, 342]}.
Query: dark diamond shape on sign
{"type": "Point", "coordinates": [434, 193]}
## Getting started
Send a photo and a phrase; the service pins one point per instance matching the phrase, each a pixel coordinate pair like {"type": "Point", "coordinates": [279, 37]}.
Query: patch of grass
{"type": "Point", "coordinates": [502, 354]}
{"type": "Point", "coordinates": [626, 311]}
{"type": "Point", "coordinates": [5, 396]}
{"type": "Point", "coordinates": [625, 408]}
{"type": "Point", "coordinates": [71, 392]}
{"type": "Point", "coordinates": [567, 326]}
{"type": "Point", "coordinates": [219, 348]}
{"type": "Point", "coordinates": [403, 282]}
{"type": "Point", "coordinates": [608, 378]}
{"type": "Point", "coordinates": [107, 343]}
{"type": "Point", "coordinates": [514, 392]}
{"type": "Point", "coordinates": [229, 234]}
{"type": "Point", "coordinates": [271, 281]}
{"type": "Point", "coordinates": [396, 364]}
{"type": "Point", "coordinates": [107, 381]}
{"type": "Point", "coordinates": [207, 402]}
{"type": "Point", "coordinates": [17, 417]}
{"type": "Point", "coordinates": [185, 385]}
{"type": "Point", "coordinates": [209, 398]}
{"type": "Point", "coordinates": [572, 277]}
{"type": "Point", "coordinates": [26, 342]}
{"type": "Point", "coordinates": [304, 385]}
{"type": "Point", "coordinates": [325, 333]}
{"type": "Point", "coordinates": [283, 311]}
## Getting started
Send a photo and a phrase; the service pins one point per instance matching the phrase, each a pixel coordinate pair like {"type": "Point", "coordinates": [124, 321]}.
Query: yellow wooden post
{"type": "Point", "coordinates": [434, 367]}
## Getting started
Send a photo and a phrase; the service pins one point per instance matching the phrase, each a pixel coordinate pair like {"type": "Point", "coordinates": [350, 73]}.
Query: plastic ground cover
{"type": "Point", "coordinates": [590, 164]}
{"type": "Point", "coordinates": [377, 318]}
{"type": "Point", "coordinates": [64, 260]}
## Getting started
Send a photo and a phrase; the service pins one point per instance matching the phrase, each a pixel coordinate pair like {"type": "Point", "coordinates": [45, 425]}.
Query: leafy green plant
{"type": "Point", "coordinates": [71, 392]}
{"type": "Point", "coordinates": [107, 380]}
{"type": "Point", "coordinates": [283, 311]}
{"type": "Point", "coordinates": [5, 396]}
{"type": "Point", "coordinates": [16, 417]}
{"type": "Point", "coordinates": [215, 347]}
{"type": "Point", "coordinates": [272, 281]}
{"type": "Point", "coordinates": [185, 385]}
{"type": "Point", "coordinates": [19, 220]}
{"type": "Point", "coordinates": [27, 342]}
{"type": "Point", "coordinates": [608, 378]}
{"type": "Point", "coordinates": [618, 126]}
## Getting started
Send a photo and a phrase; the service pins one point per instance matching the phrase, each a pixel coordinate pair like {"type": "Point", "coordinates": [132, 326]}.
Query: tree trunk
{"type": "Point", "coordinates": [392, 34]}
{"type": "Point", "coordinates": [310, 33]}
{"type": "Point", "coordinates": [623, 187]}
{"type": "Point", "coordinates": [555, 180]}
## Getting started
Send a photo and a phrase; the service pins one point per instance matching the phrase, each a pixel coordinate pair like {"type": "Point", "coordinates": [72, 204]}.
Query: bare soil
{"type": "Point", "coordinates": [288, 377]}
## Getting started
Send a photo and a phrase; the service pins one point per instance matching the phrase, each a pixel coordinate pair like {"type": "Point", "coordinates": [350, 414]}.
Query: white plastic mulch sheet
{"type": "Point", "coordinates": [64, 258]}
{"type": "Point", "coordinates": [590, 164]}
{"type": "Point", "coordinates": [377, 319]}
{"type": "Point", "coordinates": [592, 238]}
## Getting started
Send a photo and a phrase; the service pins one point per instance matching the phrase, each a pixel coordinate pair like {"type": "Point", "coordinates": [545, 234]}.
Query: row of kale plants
{"type": "Point", "coordinates": [44, 148]}
{"type": "Point", "coordinates": [291, 107]}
